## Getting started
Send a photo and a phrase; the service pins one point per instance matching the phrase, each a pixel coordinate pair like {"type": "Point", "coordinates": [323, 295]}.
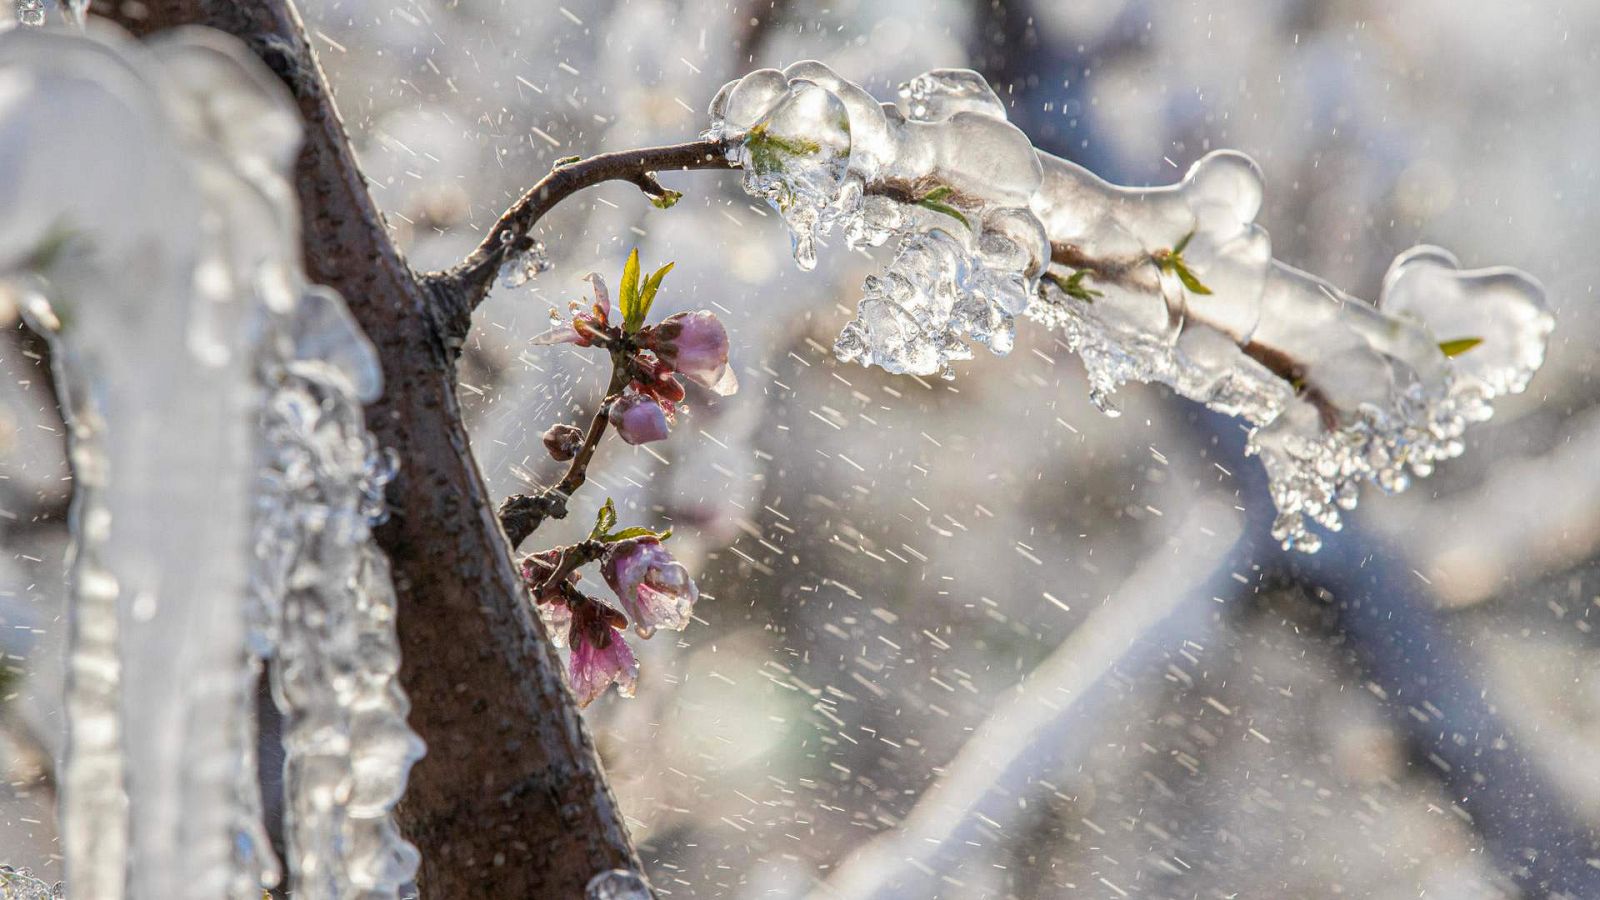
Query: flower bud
{"type": "Point", "coordinates": [562, 442]}
{"type": "Point", "coordinates": [695, 345]}
{"type": "Point", "coordinates": [638, 419]}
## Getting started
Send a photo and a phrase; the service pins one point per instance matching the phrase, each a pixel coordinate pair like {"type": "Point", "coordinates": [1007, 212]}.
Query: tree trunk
{"type": "Point", "coordinates": [510, 800]}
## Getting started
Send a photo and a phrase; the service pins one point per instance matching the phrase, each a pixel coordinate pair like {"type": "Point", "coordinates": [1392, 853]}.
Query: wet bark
{"type": "Point", "coordinates": [510, 800]}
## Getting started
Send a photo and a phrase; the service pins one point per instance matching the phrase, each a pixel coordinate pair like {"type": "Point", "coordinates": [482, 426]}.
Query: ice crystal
{"type": "Point", "coordinates": [522, 267]}
{"type": "Point", "coordinates": [225, 481]}
{"type": "Point", "coordinates": [1175, 284]}
{"type": "Point", "coordinates": [617, 884]}
{"type": "Point", "coordinates": [30, 12]}
{"type": "Point", "coordinates": [946, 175]}
{"type": "Point", "coordinates": [19, 884]}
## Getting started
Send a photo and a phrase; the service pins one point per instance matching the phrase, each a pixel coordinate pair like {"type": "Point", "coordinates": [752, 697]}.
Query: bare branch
{"type": "Point", "coordinates": [522, 514]}
{"type": "Point", "coordinates": [460, 289]}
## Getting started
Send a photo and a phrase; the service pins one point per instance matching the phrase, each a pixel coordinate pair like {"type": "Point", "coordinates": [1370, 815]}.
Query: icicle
{"type": "Point", "coordinates": [31, 12]}
{"type": "Point", "coordinates": [1173, 284]}
{"type": "Point", "coordinates": [328, 601]}
{"type": "Point", "coordinates": [226, 482]}
{"type": "Point", "coordinates": [617, 884]}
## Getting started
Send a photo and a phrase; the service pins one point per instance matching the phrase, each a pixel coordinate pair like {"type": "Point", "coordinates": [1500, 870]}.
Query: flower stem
{"type": "Point", "coordinates": [522, 514]}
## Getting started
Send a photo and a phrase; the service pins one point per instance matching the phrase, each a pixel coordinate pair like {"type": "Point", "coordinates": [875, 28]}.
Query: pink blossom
{"type": "Point", "coordinates": [600, 656]}
{"type": "Point", "coordinates": [638, 419]}
{"type": "Point", "coordinates": [586, 328]}
{"type": "Point", "coordinates": [654, 378]}
{"type": "Point", "coordinates": [695, 345]}
{"type": "Point", "coordinates": [654, 588]}
{"type": "Point", "coordinates": [557, 619]}
{"type": "Point", "coordinates": [551, 602]}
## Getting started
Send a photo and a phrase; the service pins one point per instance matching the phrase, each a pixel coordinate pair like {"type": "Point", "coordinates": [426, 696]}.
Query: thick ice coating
{"type": "Point", "coordinates": [945, 174]}
{"type": "Point", "coordinates": [225, 482]}
{"type": "Point", "coordinates": [1173, 284]}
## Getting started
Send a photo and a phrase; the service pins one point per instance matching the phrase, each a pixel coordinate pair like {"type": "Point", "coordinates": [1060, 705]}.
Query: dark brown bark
{"type": "Point", "coordinates": [459, 290]}
{"type": "Point", "coordinates": [510, 800]}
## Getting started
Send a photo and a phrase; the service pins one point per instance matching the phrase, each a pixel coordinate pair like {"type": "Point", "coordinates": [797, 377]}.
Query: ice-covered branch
{"type": "Point", "coordinates": [1174, 284]}
{"type": "Point", "coordinates": [509, 248]}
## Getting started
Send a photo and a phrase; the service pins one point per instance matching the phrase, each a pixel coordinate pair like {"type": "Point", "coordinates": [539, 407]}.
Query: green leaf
{"type": "Point", "coordinates": [667, 199]}
{"type": "Point", "coordinates": [604, 520]}
{"type": "Point", "coordinates": [1073, 285]}
{"type": "Point", "coordinates": [934, 200]}
{"type": "Point", "coordinates": [565, 161]}
{"type": "Point", "coordinates": [628, 534]}
{"type": "Point", "coordinates": [628, 292]}
{"type": "Point", "coordinates": [647, 294]}
{"type": "Point", "coordinates": [636, 531]}
{"type": "Point", "coordinates": [947, 209]}
{"type": "Point", "coordinates": [1178, 248]}
{"type": "Point", "coordinates": [768, 152]}
{"type": "Point", "coordinates": [1458, 346]}
{"type": "Point", "coordinates": [1187, 277]}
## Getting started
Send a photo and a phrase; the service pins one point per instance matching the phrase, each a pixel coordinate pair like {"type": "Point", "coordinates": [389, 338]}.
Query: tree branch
{"type": "Point", "coordinates": [522, 514]}
{"type": "Point", "coordinates": [459, 290]}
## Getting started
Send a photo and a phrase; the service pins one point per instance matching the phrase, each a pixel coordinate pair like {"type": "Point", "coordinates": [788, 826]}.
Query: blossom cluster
{"type": "Point", "coordinates": [654, 591]}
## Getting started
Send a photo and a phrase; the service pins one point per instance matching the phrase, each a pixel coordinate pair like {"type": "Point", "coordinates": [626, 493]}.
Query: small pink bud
{"type": "Point", "coordinates": [562, 442]}
{"type": "Point", "coordinates": [654, 588]}
{"type": "Point", "coordinates": [695, 345]}
{"type": "Point", "coordinates": [638, 419]}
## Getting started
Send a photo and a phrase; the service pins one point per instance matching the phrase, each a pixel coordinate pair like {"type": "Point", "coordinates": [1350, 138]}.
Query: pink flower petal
{"type": "Point", "coordinates": [593, 669]}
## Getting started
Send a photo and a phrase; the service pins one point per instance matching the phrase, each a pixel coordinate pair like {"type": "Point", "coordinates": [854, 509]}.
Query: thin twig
{"type": "Point", "coordinates": [471, 279]}
{"type": "Point", "coordinates": [1115, 271]}
{"type": "Point", "coordinates": [522, 514]}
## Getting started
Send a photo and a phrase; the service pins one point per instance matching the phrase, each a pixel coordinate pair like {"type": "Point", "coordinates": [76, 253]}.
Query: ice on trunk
{"type": "Point", "coordinates": [19, 884]}
{"type": "Point", "coordinates": [1174, 284]}
{"type": "Point", "coordinates": [225, 481]}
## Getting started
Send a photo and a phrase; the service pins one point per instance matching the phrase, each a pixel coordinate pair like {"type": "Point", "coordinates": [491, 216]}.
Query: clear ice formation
{"type": "Point", "coordinates": [37, 12]}
{"type": "Point", "coordinates": [19, 884]}
{"type": "Point", "coordinates": [226, 483]}
{"type": "Point", "coordinates": [1337, 391]}
{"type": "Point", "coordinates": [522, 267]}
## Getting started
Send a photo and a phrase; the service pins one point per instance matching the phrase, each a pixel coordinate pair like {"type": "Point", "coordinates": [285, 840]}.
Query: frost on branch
{"type": "Point", "coordinates": [225, 481]}
{"type": "Point", "coordinates": [1175, 285]}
